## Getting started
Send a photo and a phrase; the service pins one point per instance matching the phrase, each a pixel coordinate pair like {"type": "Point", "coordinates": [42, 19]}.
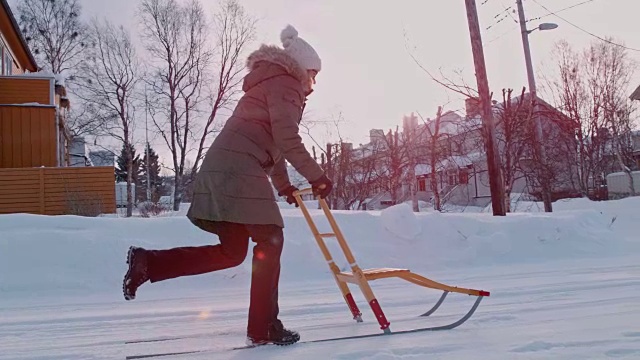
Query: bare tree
{"type": "Point", "coordinates": [234, 29]}
{"type": "Point", "coordinates": [434, 157]}
{"type": "Point", "coordinates": [445, 144]}
{"type": "Point", "coordinates": [392, 165]}
{"type": "Point", "coordinates": [109, 78]}
{"type": "Point", "coordinates": [513, 138]}
{"type": "Point", "coordinates": [590, 88]}
{"type": "Point", "coordinates": [338, 156]}
{"type": "Point", "coordinates": [54, 32]}
{"type": "Point", "coordinates": [363, 174]}
{"type": "Point", "coordinates": [457, 85]}
{"type": "Point", "coordinates": [622, 143]}
{"type": "Point", "coordinates": [617, 74]}
{"type": "Point", "coordinates": [79, 120]}
{"type": "Point", "coordinates": [353, 171]}
{"type": "Point", "coordinates": [175, 36]}
{"type": "Point", "coordinates": [410, 132]}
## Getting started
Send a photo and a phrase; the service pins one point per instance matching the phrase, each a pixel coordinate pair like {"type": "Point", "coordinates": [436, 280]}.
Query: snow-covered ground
{"type": "Point", "coordinates": [563, 286]}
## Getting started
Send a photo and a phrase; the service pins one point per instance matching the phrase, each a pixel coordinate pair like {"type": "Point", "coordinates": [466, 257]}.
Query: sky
{"type": "Point", "coordinates": [369, 79]}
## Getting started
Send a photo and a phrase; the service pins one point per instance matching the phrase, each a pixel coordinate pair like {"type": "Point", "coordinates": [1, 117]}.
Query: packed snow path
{"type": "Point", "coordinates": [563, 286]}
{"type": "Point", "coordinates": [582, 310]}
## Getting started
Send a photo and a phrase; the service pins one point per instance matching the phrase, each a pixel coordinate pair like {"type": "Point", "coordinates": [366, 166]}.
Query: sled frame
{"type": "Point", "coordinates": [361, 277]}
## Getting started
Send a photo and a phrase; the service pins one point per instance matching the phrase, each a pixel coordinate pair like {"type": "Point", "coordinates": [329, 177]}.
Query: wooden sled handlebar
{"type": "Point", "coordinates": [303, 192]}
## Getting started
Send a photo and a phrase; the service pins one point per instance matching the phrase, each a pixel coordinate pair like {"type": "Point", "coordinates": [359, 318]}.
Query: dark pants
{"type": "Point", "coordinates": [231, 252]}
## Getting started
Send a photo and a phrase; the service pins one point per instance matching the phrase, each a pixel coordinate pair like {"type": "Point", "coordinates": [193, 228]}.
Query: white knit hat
{"type": "Point", "coordinates": [299, 49]}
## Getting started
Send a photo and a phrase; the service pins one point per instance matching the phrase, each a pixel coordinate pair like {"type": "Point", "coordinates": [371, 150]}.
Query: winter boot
{"type": "Point", "coordinates": [278, 335]}
{"type": "Point", "coordinates": [136, 274]}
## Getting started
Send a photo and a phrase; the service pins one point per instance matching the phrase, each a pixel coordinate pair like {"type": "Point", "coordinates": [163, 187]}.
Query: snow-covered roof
{"type": "Point", "coordinates": [451, 162]}
{"type": "Point", "coordinates": [102, 158]}
{"type": "Point", "coordinates": [43, 74]}
{"type": "Point", "coordinates": [451, 123]}
{"type": "Point", "coordinates": [31, 104]}
{"type": "Point", "coordinates": [60, 79]}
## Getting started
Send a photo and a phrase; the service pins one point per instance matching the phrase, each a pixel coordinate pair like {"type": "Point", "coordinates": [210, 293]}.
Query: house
{"type": "Point", "coordinates": [635, 141]}
{"type": "Point", "coordinates": [33, 104]}
{"type": "Point", "coordinates": [102, 158]}
{"type": "Point", "coordinates": [636, 94]}
{"type": "Point", "coordinates": [458, 153]}
{"type": "Point", "coordinates": [462, 173]}
{"type": "Point", "coordinates": [16, 57]}
{"type": "Point", "coordinates": [80, 154]}
{"type": "Point", "coordinates": [35, 176]}
{"type": "Point", "coordinates": [371, 175]}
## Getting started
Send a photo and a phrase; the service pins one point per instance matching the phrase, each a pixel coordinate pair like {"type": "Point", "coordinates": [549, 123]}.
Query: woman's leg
{"type": "Point", "coordinates": [195, 260]}
{"type": "Point", "coordinates": [263, 324]}
{"type": "Point", "coordinates": [158, 265]}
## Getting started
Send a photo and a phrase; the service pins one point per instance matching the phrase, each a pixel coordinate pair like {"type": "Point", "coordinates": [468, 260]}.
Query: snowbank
{"type": "Point", "coordinates": [401, 221]}
{"type": "Point", "coordinates": [66, 256]}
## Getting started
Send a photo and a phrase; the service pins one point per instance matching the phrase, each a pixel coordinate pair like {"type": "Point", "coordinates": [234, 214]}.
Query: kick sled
{"type": "Point", "coordinates": [361, 277]}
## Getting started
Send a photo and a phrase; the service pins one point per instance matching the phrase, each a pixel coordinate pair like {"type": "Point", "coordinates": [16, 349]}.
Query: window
{"type": "Point", "coordinates": [8, 63]}
{"type": "Point", "coordinates": [453, 179]}
{"type": "Point", "coordinates": [6, 60]}
{"type": "Point", "coordinates": [2, 67]}
{"type": "Point", "coordinates": [422, 184]}
{"type": "Point", "coordinates": [464, 177]}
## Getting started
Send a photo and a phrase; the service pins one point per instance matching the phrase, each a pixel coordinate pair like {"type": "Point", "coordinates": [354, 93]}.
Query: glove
{"type": "Point", "coordinates": [322, 187]}
{"type": "Point", "coordinates": [288, 192]}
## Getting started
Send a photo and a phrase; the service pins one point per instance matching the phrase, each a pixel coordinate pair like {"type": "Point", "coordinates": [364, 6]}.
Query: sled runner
{"type": "Point", "coordinates": [361, 277]}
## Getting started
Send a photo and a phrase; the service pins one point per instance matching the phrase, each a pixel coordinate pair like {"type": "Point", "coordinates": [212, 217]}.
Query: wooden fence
{"type": "Point", "coordinates": [85, 191]}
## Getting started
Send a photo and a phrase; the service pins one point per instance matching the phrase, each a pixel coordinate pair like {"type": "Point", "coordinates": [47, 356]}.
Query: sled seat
{"type": "Point", "coordinates": [405, 274]}
{"type": "Point", "coordinates": [371, 274]}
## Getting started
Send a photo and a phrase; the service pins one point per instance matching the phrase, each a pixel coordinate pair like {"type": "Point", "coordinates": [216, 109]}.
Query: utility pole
{"type": "Point", "coordinates": [493, 162]}
{"type": "Point", "coordinates": [146, 135]}
{"type": "Point", "coordinates": [329, 171]}
{"type": "Point", "coordinates": [411, 145]}
{"type": "Point", "coordinates": [542, 156]}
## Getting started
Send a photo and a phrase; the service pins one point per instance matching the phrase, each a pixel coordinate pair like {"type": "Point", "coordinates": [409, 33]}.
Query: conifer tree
{"type": "Point", "coordinates": [155, 180]}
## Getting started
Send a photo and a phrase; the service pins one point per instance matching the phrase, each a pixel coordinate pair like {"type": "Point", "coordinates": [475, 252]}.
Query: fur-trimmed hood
{"type": "Point", "coordinates": [274, 55]}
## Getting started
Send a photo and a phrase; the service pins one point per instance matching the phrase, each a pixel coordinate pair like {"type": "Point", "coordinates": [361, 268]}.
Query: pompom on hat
{"type": "Point", "coordinates": [299, 49]}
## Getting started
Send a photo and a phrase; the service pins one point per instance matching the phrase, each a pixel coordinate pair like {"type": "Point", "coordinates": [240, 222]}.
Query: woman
{"type": "Point", "coordinates": [233, 197]}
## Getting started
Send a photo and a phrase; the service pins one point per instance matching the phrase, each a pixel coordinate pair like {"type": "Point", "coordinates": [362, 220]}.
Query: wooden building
{"type": "Point", "coordinates": [35, 176]}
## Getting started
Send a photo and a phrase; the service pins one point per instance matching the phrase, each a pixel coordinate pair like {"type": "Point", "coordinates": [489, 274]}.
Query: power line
{"type": "Point", "coordinates": [583, 30]}
{"type": "Point", "coordinates": [511, 29]}
{"type": "Point", "coordinates": [508, 10]}
{"type": "Point", "coordinates": [497, 22]}
{"type": "Point", "coordinates": [501, 16]}
{"type": "Point", "coordinates": [561, 10]}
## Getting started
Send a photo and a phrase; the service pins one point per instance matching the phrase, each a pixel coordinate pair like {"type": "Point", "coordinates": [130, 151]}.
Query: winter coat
{"type": "Point", "coordinates": [233, 182]}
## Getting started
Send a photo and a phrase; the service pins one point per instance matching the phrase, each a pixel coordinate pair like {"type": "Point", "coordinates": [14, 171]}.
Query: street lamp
{"type": "Point", "coordinates": [543, 27]}
{"type": "Point", "coordinates": [546, 193]}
